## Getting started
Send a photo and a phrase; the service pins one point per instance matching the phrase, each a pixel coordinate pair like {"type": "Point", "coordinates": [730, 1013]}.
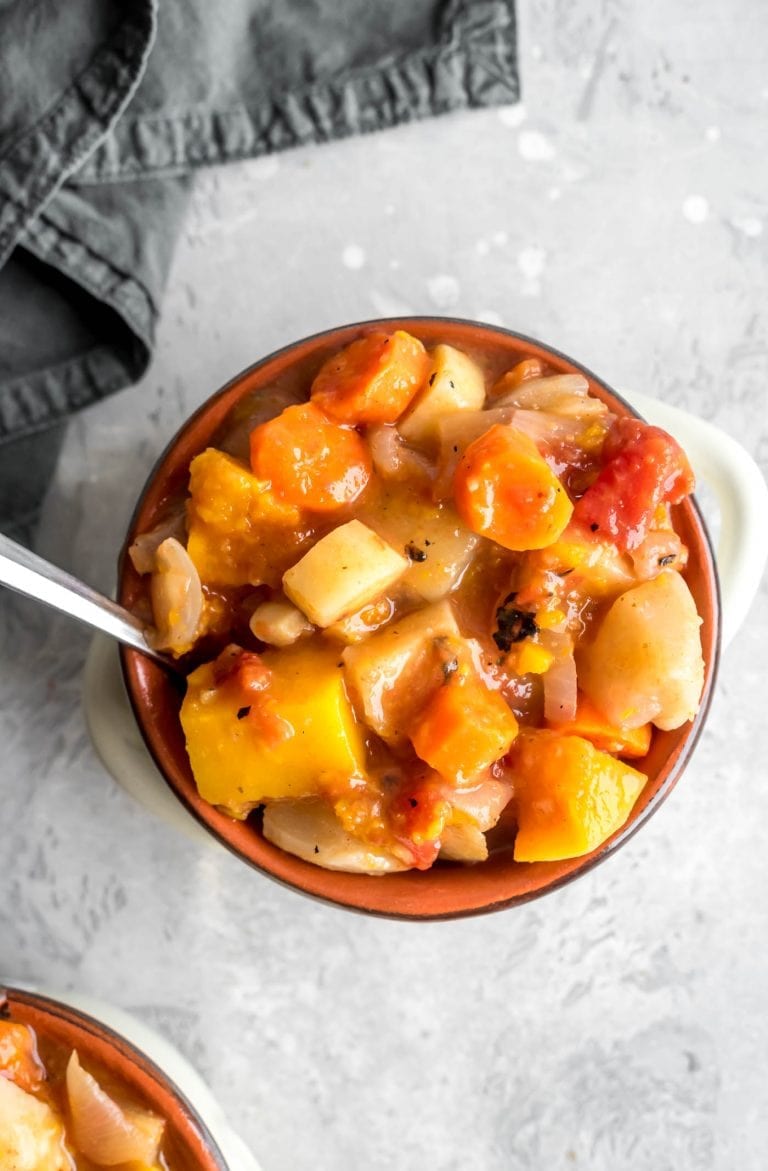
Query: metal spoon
{"type": "Point", "coordinates": [35, 577]}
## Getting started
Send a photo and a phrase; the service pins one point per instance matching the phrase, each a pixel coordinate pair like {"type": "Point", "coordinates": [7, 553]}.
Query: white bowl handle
{"type": "Point", "coordinates": [742, 494]}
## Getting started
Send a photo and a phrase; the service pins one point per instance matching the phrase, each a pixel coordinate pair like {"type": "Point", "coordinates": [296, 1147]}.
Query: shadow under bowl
{"type": "Point", "coordinates": [447, 890]}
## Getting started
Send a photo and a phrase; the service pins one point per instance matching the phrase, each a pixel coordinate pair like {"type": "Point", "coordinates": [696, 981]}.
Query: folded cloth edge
{"type": "Point", "coordinates": [59, 142]}
{"type": "Point", "coordinates": [462, 70]}
{"type": "Point", "coordinates": [473, 65]}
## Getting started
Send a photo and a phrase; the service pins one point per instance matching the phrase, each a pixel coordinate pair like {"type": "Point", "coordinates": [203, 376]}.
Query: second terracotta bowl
{"type": "Point", "coordinates": [447, 890]}
{"type": "Point", "coordinates": [188, 1143]}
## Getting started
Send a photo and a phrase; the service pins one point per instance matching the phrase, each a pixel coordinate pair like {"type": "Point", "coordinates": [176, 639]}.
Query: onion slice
{"type": "Point", "coordinates": [393, 459]}
{"type": "Point", "coordinates": [560, 690]}
{"type": "Point", "coordinates": [103, 1132]}
{"type": "Point", "coordinates": [142, 551]}
{"type": "Point", "coordinates": [541, 394]}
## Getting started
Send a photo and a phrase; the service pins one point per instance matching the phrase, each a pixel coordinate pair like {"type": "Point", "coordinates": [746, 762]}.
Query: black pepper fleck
{"type": "Point", "coordinates": [414, 552]}
{"type": "Point", "coordinates": [432, 380]}
{"type": "Point", "coordinates": [412, 802]}
{"type": "Point", "coordinates": [594, 527]}
{"type": "Point", "coordinates": [513, 625]}
{"type": "Point", "coordinates": [243, 712]}
{"type": "Point", "coordinates": [667, 560]}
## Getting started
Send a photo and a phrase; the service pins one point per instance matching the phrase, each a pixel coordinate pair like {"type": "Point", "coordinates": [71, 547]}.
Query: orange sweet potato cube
{"type": "Point", "coordinates": [463, 729]}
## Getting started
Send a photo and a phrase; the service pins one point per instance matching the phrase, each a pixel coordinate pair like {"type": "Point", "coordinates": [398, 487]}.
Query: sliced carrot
{"type": "Point", "coordinates": [372, 380]}
{"type": "Point", "coordinates": [593, 726]}
{"type": "Point", "coordinates": [310, 461]}
{"type": "Point", "coordinates": [504, 489]}
{"type": "Point", "coordinates": [570, 797]}
{"type": "Point", "coordinates": [522, 372]}
{"type": "Point", "coordinates": [19, 1060]}
{"type": "Point", "coordinates": [463, 729]}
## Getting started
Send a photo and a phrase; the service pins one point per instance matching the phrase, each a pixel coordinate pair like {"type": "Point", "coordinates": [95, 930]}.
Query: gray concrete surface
{"type": "Point", "coordinates": [619, 1025]}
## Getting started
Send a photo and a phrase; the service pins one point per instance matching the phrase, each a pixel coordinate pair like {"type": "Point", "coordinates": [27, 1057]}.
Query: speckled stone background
{"type": "Point", "coordinates": [621, 1023]}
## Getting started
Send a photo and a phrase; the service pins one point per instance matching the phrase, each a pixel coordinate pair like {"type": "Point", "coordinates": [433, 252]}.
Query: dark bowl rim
{"type": "Point", "coordinates": [127, 654]}
{"type": "Point", "coordinates": [94, 1027]}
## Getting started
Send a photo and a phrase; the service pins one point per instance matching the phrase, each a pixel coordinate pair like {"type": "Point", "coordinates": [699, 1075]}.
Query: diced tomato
{"type": "Point", "coordinates": [418, 815]}
{"type": "Point", "coordinates": [250, 677]}
{"type": "Point", "coordinates": [643, 468]}
{"type": "Point", "coordinates": [405, 814]}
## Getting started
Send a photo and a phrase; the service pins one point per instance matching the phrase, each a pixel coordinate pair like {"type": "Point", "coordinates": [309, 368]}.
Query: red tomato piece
{"type": "Point", "coordinates": [643, 467]}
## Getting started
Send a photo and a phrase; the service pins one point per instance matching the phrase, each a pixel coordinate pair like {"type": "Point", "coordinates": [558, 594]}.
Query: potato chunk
{"type": "Point", "coordinates": [645, 663]}
{"type": "Point", "coordinates": [233, 765]}
{"type": "Point", "coordinates": [454, 383]}
{"type": "Point", "coordinates": [392, 673]}
{"type": "Point", "coordinates": [311, 830]}
{"type": "Point", "coordinates": [350, 566]}
{"type": "Point", "coordinates": [31, 1135]}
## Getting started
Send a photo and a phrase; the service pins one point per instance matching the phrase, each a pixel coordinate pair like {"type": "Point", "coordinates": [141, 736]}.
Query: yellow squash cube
{"type": "Point", "coordinates": [570, 796]}
{"type": "Point", "coordinates": [239, 532]}
{"type": "Point", "coordinates": [235, 768]}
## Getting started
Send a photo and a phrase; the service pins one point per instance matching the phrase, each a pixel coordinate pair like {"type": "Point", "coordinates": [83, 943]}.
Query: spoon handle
{"type": "Point", "coordinates": [26, 573]}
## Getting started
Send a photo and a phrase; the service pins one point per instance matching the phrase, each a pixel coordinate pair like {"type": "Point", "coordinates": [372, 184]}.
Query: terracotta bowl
{"type": "Point", "coordinates": [187, 1142]}
{"type": "Point", "coordinates": [447, 890]}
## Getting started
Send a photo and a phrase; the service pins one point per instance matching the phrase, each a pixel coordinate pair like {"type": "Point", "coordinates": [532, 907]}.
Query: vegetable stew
{"type": "Point", "coordinates": [427, 606]}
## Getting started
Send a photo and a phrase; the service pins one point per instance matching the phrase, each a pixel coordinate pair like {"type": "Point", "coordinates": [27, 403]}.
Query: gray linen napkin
{"type": "Point", "coordinates": [106, 108]}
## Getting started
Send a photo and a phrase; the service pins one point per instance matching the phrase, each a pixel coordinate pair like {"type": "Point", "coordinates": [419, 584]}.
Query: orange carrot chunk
{"type": "Point", "coordinates": [522, 372]}
{"type": "Point", "coordinates": [463, 729]}
{"type": "Point", "coordinates": [570, 796]}
{"type": "Point", "coordinates": [592, 725]}
{"type": "Point", "coordinates": [504, 489]}
{"type": "Point", "coordinates": [372, 380]}
{"type": "Point", "coordinates": [310, 461]}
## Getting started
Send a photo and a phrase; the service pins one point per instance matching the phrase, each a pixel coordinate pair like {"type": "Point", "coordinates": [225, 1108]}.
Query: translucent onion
{"type": "Point", "coordinates": [394, 460]}
{"type": "Point", "coordinates": [484, 803]}
{"type": "Point", "coordinates": [103, 1132]}
{"type": "Point", "coordinates": [546, 427]}
{"type": "Point", "coordinates": [560, 690]}
{"type": "Point", "coordinates": [543, 393]}
{"type": "Point", "coordinates": [142, 551]}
